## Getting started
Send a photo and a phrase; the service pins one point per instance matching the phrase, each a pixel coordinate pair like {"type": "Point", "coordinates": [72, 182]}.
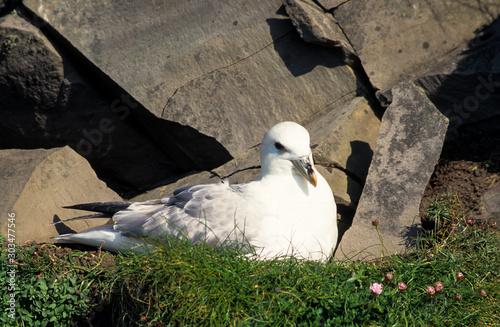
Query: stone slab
{"type": "Point", "coordinates": [396, 39]}
{"type": "Point", "coordinates": [408, 146]}
{"type": "Point", "coordinates": [316, 26]}
{"type": "Point", "coordinates": [491, 204]}
{"type": "Point", "coordinates": [331, 4]}
{"type": "Point", "coordinates": [45, 102]}
{"type": "Point", "coordinates": [226, 69]}
{"type": "Point", "coordinates": [36, 184]}
{"type": "Point", "coordinates": [467, 88]}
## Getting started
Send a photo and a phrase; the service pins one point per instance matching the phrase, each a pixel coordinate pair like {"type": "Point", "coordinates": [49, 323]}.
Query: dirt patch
{"type": "Point", "coordinates": [468, 179]}
{"type": "Point", "coordinates": [469, 166]}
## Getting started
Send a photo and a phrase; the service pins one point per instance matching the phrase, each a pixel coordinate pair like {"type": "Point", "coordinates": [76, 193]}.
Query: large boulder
{"type": "Point", "coordinates": [229, 71]}
{"type": "Point", "coordinates": [398, 40]}
{"type": "Point", "coordinates": [314, 26]}
{"type": "Point", "coordinates": [466, 88]}
{"type": "Point", "coordinates": [38, 183]}
{"type": "Point", "coordinates": [408, 146]}
{"type": "Point", "coordinates": [45, 102]}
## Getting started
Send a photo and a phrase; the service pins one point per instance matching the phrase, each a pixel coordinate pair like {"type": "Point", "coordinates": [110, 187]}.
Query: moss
{"type": "Point", "coordinates": [8, 42]}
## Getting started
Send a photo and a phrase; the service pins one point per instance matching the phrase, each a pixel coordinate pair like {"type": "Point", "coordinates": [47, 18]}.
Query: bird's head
{"type": "Point", "coordinates": [285, 149]}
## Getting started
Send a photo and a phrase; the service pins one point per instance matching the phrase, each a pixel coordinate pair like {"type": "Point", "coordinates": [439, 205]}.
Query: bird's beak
{"type": "Point", "coordinates": [304, 166]}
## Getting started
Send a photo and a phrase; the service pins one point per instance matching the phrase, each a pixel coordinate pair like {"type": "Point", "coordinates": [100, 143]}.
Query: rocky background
{"type": "Point", "coordinates": [103, 100]}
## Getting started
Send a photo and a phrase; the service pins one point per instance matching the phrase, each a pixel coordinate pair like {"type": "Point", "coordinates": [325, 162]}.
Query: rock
{"type": "Point", "coordinates": [343, 149]}
{"type": "Point", "coordinates": [467, 88]}
{"type": "Point", "coordinates": [395, 40]}
{"type": "Point", "coordinates": [491, 204]}
{"type": "Point", "coordinates": [331, 4]}
{"type": "Point", "coordinates": [315, 26]}
{"type": "Point", "coordinates": [408, 146]}
{"type": "Point", "coordinates": [466, 99]}
{"type": "Point", "coordinates": [227, 71]}
{"type": "Point", "coordinates": [38, 183]}
{"type": "Point", "coordinates": [5, 6]}
{"type": "Point", "coordinates": [346, 141]}
{"type": "Point", "coordinates": [45, 103]}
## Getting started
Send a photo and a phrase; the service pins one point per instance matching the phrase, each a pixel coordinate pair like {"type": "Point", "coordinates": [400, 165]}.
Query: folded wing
{"type": "Point", "coordinates": [201, 213]}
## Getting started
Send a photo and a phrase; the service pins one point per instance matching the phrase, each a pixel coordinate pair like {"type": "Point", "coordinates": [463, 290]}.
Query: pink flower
{"type": "Point", "coordinates": [470, 222]}
{"type": "Point", "coordinates": [39, 276]}
{"type": "Point", "coordinates": [458, 297]}
{"type": "Point", "coordinates": [460, 276]}
{"type": "Point", "coordinates": [376, 288]}
{"type": "Point", "coordinates": [430, 290]}
{"type": "Point", "coordinates": [401, 286]}
{"type": "Point", "coordinates": [388, 277]}
{"type": "Point", "coordinates": [35, 253]}
{"type": "Point", "coordinates": [438, 286]}
{"type": "Point", "coordinates": [482, 293]}
{"type": "Point", "coordinates": [375, 222]}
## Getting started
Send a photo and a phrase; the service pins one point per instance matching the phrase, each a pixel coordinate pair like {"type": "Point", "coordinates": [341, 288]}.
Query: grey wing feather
{"type": "Point", "coordinates": [103, 207]}
{"type": "Point", "coordinates": [201, 213]}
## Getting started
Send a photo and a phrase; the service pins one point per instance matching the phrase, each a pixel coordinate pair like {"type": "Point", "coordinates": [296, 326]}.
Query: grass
{"type": "Point", "coordinates": [198, 286]}
{"type": "Point", "coordinates": [182, 284]}
{"type": "Point", "coordinates": [48, 291]}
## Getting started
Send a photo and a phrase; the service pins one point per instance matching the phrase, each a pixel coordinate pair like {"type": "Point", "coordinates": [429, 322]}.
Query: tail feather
{"type": "Point", "coordinates": [107, 238]}
{"type": "Point", "coordinates": [103, 207]}
{"type": "Point", "coordinates": [95, 215]}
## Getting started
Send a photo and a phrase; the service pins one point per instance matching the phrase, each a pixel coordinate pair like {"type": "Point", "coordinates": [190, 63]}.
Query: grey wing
{"type": "Point", "coordinates": [211, 213]}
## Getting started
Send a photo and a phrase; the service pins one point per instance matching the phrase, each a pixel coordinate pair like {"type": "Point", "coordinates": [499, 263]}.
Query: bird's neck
{"type": "Point", "coordinates": [279, 180]}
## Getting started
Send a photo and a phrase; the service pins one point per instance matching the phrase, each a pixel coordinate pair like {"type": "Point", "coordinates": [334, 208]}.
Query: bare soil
{"type": "Point", "coordinates": [469, 166]}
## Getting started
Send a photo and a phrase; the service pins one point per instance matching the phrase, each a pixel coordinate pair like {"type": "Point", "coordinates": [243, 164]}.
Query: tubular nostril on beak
{"type": "Point", "coordinates": [305, 169]}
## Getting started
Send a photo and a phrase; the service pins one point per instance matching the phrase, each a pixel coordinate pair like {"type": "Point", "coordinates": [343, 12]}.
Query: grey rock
{"type": "Point", "coordinates": [315, 26]}
{"type": "Point", "coordinates": [38, 183]}
{"type": "Point", "coordinates": [397, 40]}
{"type": "Point", "coordinates": [408, 146]}
{"type": "Point", "coordinates": [466, 99]}
{"type": "Point", "coordinates": [342, 137]}
{"type": "Point", "coordinates": [224, 69]}
{"type": "Point", "coordinates": [45, 103]}
{"type": "Point", "coordinates": [5, 6]}
{"type": "Point", "coordinates": [343, 148]}
{"type": "Point", "coordinates": [467, 88]}
{"type": "Point", "coordinates": [491, 204]}
{"type": "Point", "coordinates": [346, 140]}
{"type": "Point", "coordinates": [331, 4]}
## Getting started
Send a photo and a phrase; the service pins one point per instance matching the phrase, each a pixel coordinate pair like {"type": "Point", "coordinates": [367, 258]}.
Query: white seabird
{"type": "Point", "coordinates": [290, 210]}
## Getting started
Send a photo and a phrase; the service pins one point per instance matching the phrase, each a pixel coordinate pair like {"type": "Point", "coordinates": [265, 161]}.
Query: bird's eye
{"type": "Point", "coordinates": [279, 146]}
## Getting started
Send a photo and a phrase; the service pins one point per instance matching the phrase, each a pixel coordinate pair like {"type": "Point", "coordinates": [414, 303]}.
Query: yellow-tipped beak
{"type": "Point", "coordinates": [305, 168]}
